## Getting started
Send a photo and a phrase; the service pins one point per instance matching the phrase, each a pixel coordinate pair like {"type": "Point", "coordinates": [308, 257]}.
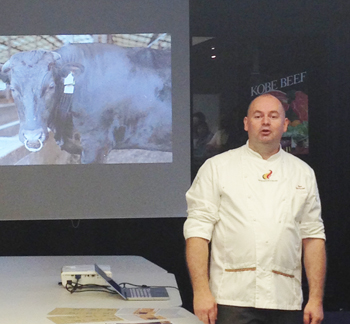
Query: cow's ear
{"type": "Point", "coordinates": [4, 77]}
{"type": "Point", "coordinates": [6, 67]}
{"type": "Point", "coordinates": [75, 68]}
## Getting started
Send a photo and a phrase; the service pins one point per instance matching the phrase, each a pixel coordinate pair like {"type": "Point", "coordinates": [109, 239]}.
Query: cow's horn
{"type": "Point", "coordinates": [56, 56]}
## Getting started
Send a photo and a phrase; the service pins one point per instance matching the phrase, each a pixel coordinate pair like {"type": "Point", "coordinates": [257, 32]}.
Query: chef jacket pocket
{"type": "Point", "coordinates": [285, 286]}
{"type": "Point", "coordinates": [238, 283]}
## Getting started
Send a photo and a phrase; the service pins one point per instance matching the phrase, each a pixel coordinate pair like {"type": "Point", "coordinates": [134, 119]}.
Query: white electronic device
{"type": "Point", "coordinates": [84, 274]}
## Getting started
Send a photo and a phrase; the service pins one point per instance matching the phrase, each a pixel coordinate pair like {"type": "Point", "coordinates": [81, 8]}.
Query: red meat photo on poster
{"type": "Point", "coordinates": [299, 103]}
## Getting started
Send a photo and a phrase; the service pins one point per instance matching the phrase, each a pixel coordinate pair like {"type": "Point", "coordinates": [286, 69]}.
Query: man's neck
{"type": "Point", "coordinates": [265, 150]}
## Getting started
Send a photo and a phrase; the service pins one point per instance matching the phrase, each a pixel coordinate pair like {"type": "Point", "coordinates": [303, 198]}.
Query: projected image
{"type": "Point", "coordinates": [83, 99]}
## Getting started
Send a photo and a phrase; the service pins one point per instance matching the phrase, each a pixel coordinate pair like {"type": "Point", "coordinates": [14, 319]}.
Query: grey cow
{"type": "Point", "coordinates": [112, 97]}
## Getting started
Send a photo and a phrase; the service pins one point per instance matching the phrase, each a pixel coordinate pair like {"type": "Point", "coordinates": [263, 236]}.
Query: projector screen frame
{"type": "Point", "coordinates": [47, 192]}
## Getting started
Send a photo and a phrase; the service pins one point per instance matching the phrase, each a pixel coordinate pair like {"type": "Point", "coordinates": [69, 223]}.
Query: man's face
{"type": "Point", "coordinates": [265, 122]}
{"type": "Point", "coordinates": [195, 121]}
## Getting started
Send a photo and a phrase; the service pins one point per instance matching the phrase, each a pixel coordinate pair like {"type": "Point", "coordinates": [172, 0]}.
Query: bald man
{"type": "Point", "coordinates": [260, 209]}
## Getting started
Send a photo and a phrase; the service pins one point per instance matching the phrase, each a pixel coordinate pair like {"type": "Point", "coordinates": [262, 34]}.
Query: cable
{"type": "Point", "coordinates": [75, 226]}
{"type": "Point", "coordinates": [76, 284]}
{"type": "Point", "coordinates": [87, 287]}
{"type": "Point", "coordinates": [124, 284]}
{"type": "Point", "coordinates": [73, 287]}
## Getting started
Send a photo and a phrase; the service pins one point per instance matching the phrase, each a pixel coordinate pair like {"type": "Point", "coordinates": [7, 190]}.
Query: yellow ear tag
{"type": "Point", "coordinates": [69, 83]}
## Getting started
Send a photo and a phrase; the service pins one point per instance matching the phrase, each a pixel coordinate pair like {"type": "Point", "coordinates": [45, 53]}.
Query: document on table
{"type": "Point", "coordinates": [114, 315]}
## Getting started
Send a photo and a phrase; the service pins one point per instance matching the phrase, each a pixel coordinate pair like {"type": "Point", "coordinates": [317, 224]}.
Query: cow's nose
{"type": "Point", "coordinates": [34, 139]}
{"type": "Point", "coordinates": [33, 135]}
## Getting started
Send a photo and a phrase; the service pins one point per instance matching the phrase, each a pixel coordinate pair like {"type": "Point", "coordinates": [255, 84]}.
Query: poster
{"type": "Point", "coordinates": [291, 90]}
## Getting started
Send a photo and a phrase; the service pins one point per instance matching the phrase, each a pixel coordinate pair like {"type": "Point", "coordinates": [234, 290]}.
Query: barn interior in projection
{"type": "Point", "coordinates": [139, 127]}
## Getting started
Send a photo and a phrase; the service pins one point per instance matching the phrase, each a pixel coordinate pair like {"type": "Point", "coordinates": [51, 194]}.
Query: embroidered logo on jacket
{"type": "Point", "coordinates": [267, 175]}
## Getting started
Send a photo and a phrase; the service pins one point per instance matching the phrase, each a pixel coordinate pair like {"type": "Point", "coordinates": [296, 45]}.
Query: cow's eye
{"type": "Point", "coordinates": [47, 88]}
{"type": "Point", "coordinates": [14, 91]}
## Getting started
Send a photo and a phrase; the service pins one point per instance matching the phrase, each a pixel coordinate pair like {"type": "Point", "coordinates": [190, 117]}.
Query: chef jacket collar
{"type": "Point", "coordinates": [254, 154]}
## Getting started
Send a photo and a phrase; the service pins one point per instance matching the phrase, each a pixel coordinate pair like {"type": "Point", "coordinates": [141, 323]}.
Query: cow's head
{"type": "Point", "coordinates": [34, 91]}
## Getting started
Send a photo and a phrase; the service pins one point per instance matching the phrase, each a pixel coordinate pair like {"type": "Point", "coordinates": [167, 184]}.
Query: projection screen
{"type": "Point", "coordinates": [94, 109]}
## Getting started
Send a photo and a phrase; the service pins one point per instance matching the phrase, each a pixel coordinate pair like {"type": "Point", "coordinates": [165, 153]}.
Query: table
{"type": "Point", "coordinates": [29, 288]}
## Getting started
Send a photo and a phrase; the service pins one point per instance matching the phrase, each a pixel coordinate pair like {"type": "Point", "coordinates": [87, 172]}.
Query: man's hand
{"type": "Point", "coordinates": [205, 307]}
{"type": "Point", "coordinates": [315, 267]}
{"type": "Point", "coordinates": [204, 304]}
{"type": "Point", "coordinates": [313, 313]}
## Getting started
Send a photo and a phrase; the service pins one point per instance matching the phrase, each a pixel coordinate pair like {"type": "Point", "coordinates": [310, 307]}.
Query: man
{"type": "Point", "coordinates": [259, 207]}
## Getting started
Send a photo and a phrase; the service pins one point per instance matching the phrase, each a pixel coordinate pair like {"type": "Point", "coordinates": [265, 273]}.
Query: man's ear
{"type": "Point", "coordinates": [286, 123]}
{"type": "Point", "coordinates": [245, 122]}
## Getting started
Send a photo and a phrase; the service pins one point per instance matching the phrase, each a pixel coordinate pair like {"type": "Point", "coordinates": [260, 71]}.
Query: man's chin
{"type": "Point", "coordinates": [269, 141]}
{"type": "Point", "coordinates": [266, 139]}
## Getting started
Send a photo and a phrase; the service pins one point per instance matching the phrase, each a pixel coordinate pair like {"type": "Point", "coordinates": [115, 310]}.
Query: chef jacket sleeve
{"type": "Point", "coordinates": [311, 225]}
{"type": "Point", "coordinates": [203, 200]}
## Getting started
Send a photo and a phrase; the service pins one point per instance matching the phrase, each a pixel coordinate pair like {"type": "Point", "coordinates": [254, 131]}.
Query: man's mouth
{"type": "Point", "coordinates": [265, 132]}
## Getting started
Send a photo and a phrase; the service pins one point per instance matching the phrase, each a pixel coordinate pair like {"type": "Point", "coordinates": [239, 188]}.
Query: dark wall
{"type": "Point", "coordinates": [332, 163]}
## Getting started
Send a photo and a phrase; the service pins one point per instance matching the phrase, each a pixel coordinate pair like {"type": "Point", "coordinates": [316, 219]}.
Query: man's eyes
{"type": "Point", "coordinates": [271, 116]}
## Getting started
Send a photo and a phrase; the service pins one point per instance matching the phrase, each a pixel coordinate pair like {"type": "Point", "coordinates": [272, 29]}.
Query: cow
{"type": "Point", "coordinates": [106, 96]}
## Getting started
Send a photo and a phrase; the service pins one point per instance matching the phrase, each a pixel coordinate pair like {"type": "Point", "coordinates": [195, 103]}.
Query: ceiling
{"type": "Point", "coordinates": [10, 45]}
{"type": "Point", "coordinates": [259, 18]}
{"type": "Point", "coordinates": [236, 39]}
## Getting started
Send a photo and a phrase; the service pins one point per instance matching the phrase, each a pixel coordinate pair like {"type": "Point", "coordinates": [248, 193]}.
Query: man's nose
{"type": "Point", "coordinates": [266, 120]}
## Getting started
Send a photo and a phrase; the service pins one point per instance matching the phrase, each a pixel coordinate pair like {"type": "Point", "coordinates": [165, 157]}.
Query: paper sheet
{"type": "Point", "coordinates": [111, 315]}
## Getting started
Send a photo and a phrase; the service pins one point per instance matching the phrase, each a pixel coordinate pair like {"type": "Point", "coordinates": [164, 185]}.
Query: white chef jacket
{"type": "Point", "coordinates": [256, 213]}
